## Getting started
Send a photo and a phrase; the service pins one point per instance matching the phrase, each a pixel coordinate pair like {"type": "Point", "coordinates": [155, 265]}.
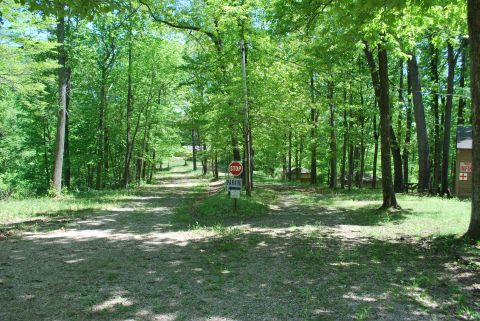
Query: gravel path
{"type": "Point", "coordinates": [131, 263]}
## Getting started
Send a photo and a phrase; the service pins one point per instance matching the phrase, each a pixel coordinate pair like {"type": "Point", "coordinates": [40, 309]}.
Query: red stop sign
{"type": "Point", "coordinates": [235, 168]}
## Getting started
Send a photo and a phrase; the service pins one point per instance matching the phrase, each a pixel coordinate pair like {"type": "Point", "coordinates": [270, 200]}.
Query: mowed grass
{"type": "Point", "coordinates": [27, 214]}
{"type": "Point", "coordinates": [418, 216]}
{"type": "Point", "coordinates": [218, 209]}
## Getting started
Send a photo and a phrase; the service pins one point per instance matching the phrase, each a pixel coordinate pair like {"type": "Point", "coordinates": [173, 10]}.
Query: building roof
{"type": "Point", "coordinates": [464, 137]}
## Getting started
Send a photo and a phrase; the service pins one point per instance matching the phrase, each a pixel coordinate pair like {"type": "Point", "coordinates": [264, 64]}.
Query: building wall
{"type": "Point", "coordinates": [464, 188]}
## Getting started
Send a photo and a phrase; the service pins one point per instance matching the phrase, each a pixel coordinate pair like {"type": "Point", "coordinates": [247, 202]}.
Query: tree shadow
{"type": "Point", "coordinates": [250, 275]}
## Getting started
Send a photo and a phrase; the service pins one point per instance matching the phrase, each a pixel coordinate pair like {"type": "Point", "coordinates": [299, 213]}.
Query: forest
{"type": "Point", "coordinates": [328, 104]}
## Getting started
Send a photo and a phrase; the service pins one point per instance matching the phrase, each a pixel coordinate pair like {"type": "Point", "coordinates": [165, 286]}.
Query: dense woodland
{"type": "Point", "coordinates": [97, 95]}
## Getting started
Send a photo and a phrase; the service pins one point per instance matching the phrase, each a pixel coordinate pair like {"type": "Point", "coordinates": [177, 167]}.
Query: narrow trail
{"type": "Point", "coordinates": [132, 263]}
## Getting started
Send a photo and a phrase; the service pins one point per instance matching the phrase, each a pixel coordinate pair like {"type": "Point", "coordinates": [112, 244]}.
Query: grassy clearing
{"type": "Point", "coordinates": [217, 209]}
{"type": "Point", "coordinates": [419, 216]}
{"type": "Point", "coordinates": [13, 211]}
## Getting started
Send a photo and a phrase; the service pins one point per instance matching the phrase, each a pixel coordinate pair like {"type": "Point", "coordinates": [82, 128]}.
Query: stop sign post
{"type": "Point", "coordinates": [235, 168]}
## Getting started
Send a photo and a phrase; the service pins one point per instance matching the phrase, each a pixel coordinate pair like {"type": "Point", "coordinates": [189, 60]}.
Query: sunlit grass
{"type": "Point", "coordinates": [13, 211]}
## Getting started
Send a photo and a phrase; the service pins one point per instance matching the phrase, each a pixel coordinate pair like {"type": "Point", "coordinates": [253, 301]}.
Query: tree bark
{"type": "Point", "coordinates": [375, 152]}
{"type": "Point", "coordinates": [448, 119]}
{"type": "Point", "coordinates": [313, 133]}
{"type": "Point", "coordinates": [473, 13]}
{"type": "Point", "coordinates": [62, 97]}
{"type": "Point", "coordinates": [246, 120]}
{"type": "Point", "coordinates": [436, 116]}
{"type": "Point", "coordinates": [344, 149]}
{"type": "Point", "coordinates": [128, 155]}
{"type": "Point", "coordinates": [389, 199]}
{"type": "Point", "coordinates": [68, 163]}
{"type": "Point", "coordinates": [422, 138]}
{"type": "Point", "coordinates": [290, 155]}
{"type": "Point", "coordinates": [408, 132]}
{"type": "Point", "coordinates": [333, 137]}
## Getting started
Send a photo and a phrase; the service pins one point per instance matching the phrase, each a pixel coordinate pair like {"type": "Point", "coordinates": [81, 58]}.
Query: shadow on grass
{"type": "Point", "coordinates": [236, 275]}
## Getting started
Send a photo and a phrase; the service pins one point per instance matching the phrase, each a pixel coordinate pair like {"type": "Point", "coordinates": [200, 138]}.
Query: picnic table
{"type": "Point", "coordinates": [411, 187]}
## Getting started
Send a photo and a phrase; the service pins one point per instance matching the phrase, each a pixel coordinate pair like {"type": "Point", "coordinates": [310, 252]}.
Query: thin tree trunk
{"type": "Point", "coordinates": [62, 93]}
{"type": "Point", "coordinates": [474, 32]}
{"type": "Point", "coordinates": [290, 155]}
{"type": "Point", "coordinates": [375, 152]}
{"type": "Point", "coordinates": [344, 149]}
{"type": "Point", "coordinates": [246, 121]}
{"type": "Point", "coordinates": [313, 133]}
{"type": "Point", "coordinates": [448, 119]}
{"type": "Point", "coordinates": [194, 151]}
{"type": "Point", "coordinates": [389, 199]}
{"type": "Point", "coordinates": [436, 117]}
{"type": "Point", "coordinates": [422, 137]}
{"type": "Point", "coordinates": [350, 143]}
{"type": "Point", "coordinates": [333, 138]}
{"type": "Point", "coordinates": [408, 132]}
{"type": "Point", "coordinates": [68, 163]}
{"type": "Point", "coordinates": [462, 102]}
{"type": "Point", "coordinates": [128, 155]}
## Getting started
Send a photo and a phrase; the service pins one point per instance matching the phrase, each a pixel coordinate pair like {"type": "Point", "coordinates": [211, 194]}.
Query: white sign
{"type": "Point", "coordinates": [463, 176]}
{"type": "Point", "coordinates": [234, 193]}
{"type": "Point", "coordinates": [234, 184]}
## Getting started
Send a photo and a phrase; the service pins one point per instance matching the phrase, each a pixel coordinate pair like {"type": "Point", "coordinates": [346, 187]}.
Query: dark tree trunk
{"type": "Point", "coordinates": [333, 138]}
{"type": "Point", "coordinates": [448, 119]}
{"type": "Point", "coordinates": [62, 97]}
{"type": "Point", "coordinates": [313, 134]}
{"type": "Point", "coordinates": [397, 163]}
{"type": "Point", "coordinates": [408, 132]}
{"type": "Point", "coordinates": [375, 152]}
{"type": "Point", "coordinates": [194, 151]}
{"type": "Point", "coordinates": [389, 199]}
{"type": "Point", "coordinates": [474, 32]}
{"type": "Point", "coordinates": [290, 155]}
{"type": "Point", "coordinates": [462, 102]}
{"type": "Point", "coordinates": [436, 117]}
{"type": "Point", "coordinates": [344, 149]}
{"type": "Point", "coordinates": [422, 137]}
{"type": "Point", "coordinates": [128, 153]}
{"type": "Point", "coordinates": [68, 163]}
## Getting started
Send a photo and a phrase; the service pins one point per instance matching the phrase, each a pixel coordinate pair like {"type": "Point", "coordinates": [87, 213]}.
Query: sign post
{"type": "Point", "coordinates": [234, 185]}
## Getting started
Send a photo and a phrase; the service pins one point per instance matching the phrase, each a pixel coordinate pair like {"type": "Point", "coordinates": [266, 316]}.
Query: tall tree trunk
{"type": "Point", "coordinates": [101, 130]}
{"type": "Point", "coordinates": [397, 163]}
{"type": "Point", "coordinates": [462, 102]}
{"type": "Point", "coordinates": [313, 133]}
{"type": "Point", "coordinates": [408, 132]}
{"type": "Point", "coordinates": [344, 149]}
{"type": "Point", "coordinates": [389, 199]}
{"type": "Point", "coordinates": [350, 142]}
{"type": "Point", "coordinates": [375, 152]}
{"type": "Point", "coordinates": [62, 97]}
{"type": "Point", "coordinates": [128, 155]}
{"type": "Point", "coordinates": [246, 120]}
{"type": "Point", "coordinates": [448, 119]}
{"type": "Point", "coordinates": [422, 137]}
{"type": "Point", "coordinates": [290, 155]}
{"type": "Point", "coordinates": [333, 137]}
{"type": "Point", "coordinates": [194, 151]}
{"type": "Point", "coordinates": [68, 163]}
{"type": "Point", "coordinates": [474, 32]}
{"type": "Point", "coordinates": [436, 117]}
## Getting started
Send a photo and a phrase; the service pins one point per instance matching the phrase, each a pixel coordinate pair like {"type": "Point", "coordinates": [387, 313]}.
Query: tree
{"type": "Point", "coordinates": [474, 33]}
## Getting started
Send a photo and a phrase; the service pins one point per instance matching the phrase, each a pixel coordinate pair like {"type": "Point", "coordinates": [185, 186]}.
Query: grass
{"type": "Point", "coordinates": [290, 252]}
{"type": "Point", "coordinates": [14, 211]}
{"type": "Point", "coordinates": [218, 209]}
{"type": "Point", "coordinates": [420, 215]}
